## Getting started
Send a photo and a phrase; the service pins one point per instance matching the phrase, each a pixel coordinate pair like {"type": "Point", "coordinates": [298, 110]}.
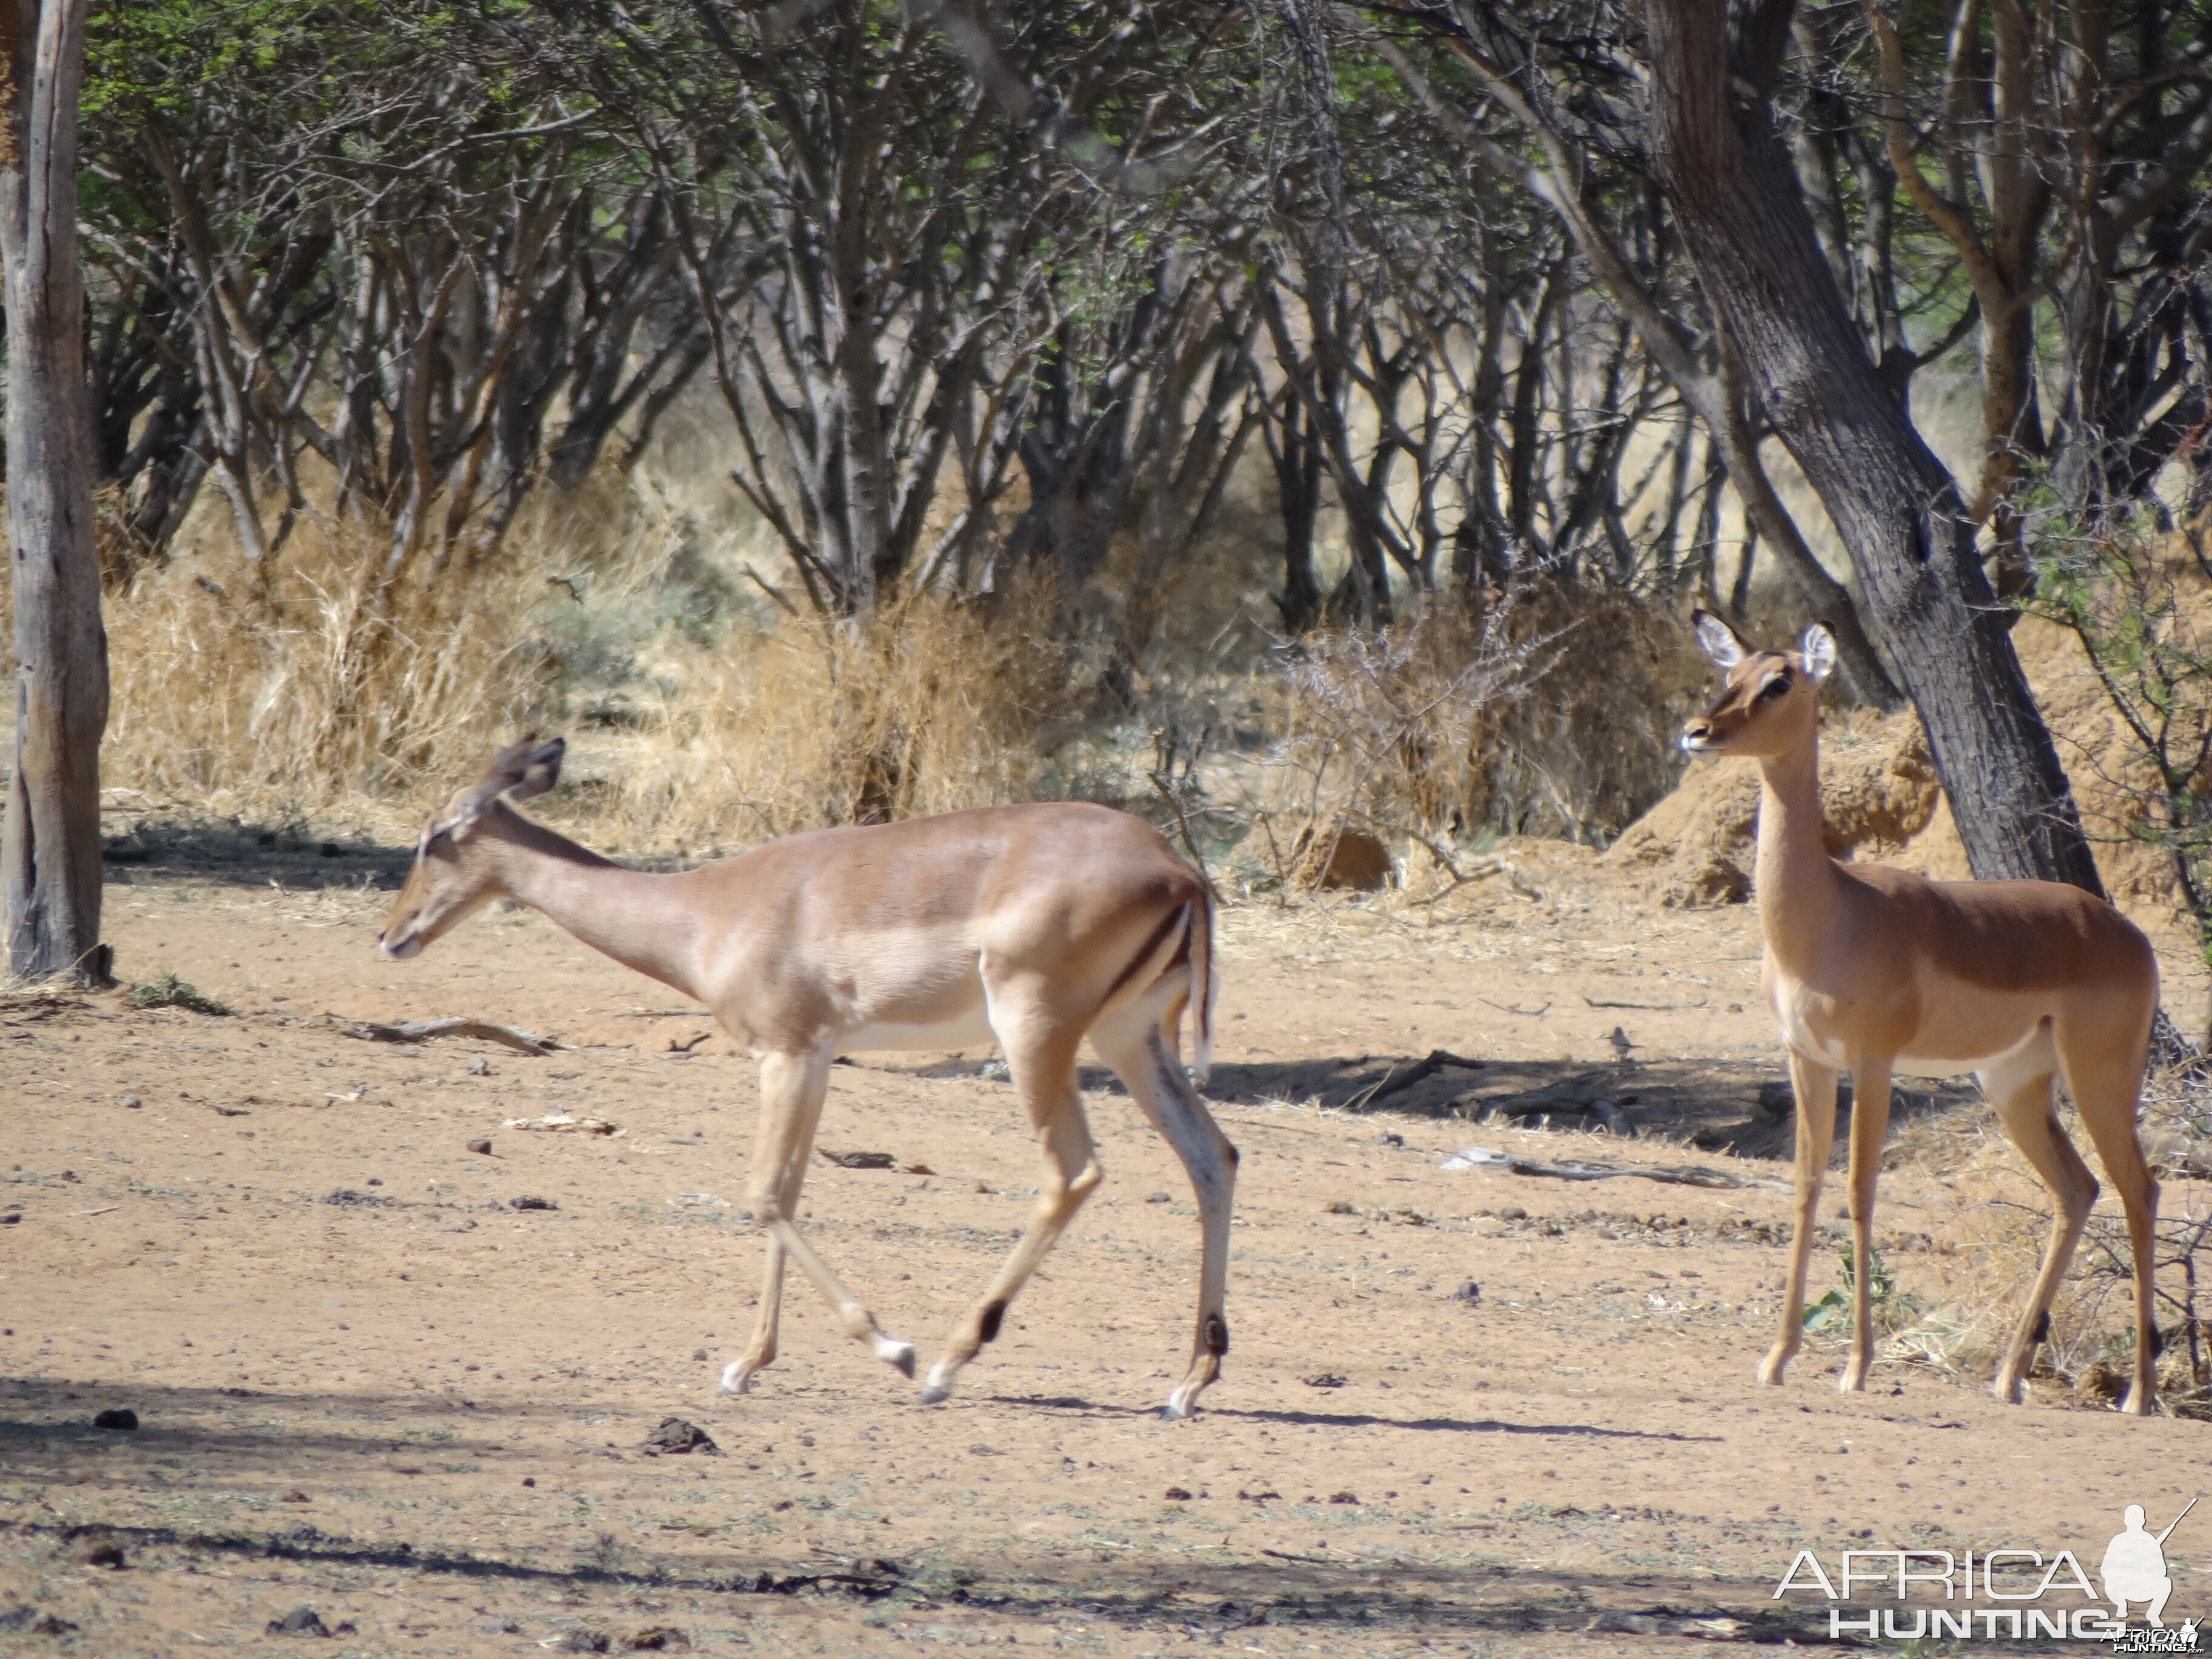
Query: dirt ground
{"type": "Point", "coordinates": [367, 1384]}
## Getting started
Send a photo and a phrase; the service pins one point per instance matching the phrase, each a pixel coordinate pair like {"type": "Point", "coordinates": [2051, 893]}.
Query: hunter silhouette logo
{"type": "Point", "coordinates": [2009, 1594]}
{"type": "Point", "coordinates": [2134, 1568]}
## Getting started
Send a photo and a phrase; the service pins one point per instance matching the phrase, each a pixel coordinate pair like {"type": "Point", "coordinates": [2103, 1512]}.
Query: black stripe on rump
{"type": "Point", "coordinates": [1158, 938]}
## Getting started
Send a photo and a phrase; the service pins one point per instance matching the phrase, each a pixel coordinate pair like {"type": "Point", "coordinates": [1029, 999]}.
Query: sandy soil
{"type": "Point", "coordinates": [367, 1384]}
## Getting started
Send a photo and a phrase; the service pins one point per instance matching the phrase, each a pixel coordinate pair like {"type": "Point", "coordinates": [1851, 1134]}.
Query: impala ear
{"type": "Point", "coordinates": [518, 771]}
{"type": "Point", "coordinates": [1721, 643]}
{"type": "Point", "coordinates": [1819, 649]}
{"type": "Point", "coordinates": [541, 771]}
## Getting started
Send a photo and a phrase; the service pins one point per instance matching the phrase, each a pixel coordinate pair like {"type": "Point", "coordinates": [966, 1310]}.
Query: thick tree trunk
{"type": "Point", "coordinates": [1743, 218]}
{"type": "Point", "coordinates": [50, 862]}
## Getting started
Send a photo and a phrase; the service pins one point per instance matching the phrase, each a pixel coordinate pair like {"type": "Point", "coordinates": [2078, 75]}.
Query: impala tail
{"type": "Point", "coordinates": [1205, 987]}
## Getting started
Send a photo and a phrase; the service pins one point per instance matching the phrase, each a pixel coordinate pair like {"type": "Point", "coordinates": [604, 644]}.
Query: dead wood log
{"type": "Point", "coordinates": [1420, 1071]}
{"type": "Point", "coordinates": [422, 1030]}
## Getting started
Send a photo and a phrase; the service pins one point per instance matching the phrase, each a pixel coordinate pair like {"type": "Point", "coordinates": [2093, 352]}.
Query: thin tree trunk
{"type": "Point", "coordinates": [50, 854]}
{"type": "Point", "coordinates": [1729, 180]}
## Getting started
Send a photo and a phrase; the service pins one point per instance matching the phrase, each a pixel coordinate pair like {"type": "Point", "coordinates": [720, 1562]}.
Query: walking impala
{"type": "Point", "coordinates": [1039, 925]}
{"type": "Point", "coordinates": [1871, 971]}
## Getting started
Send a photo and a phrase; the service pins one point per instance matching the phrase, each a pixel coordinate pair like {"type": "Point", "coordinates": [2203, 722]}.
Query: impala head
{"type": "Point", "coordinates": [453, 873]}
{"type": "Point", "coordinates": [1772, 700]}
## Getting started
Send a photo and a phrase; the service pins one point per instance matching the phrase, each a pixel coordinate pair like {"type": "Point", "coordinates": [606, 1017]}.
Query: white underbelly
{"type": "Point", "coordinates": [1830, 1052]}
{"type": "Point", "coordinates": [970, 1029]}
{"type": "Point", "coordinates": [1907, 1066]}
{"type": "Point", "coordinates": [2036, 1044]}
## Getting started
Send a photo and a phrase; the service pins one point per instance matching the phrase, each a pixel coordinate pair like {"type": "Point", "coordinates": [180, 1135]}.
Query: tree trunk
{"type": "Point", "coordinates": [50, 851]}
{"type": "Point", "coordinates": [1729, 180]}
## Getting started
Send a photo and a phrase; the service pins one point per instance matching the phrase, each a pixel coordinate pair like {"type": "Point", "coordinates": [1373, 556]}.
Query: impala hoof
{"type": "Point", "coordinates": [736, 1379]}
{"type": "Point", "coordinates": [1184, 1402]}
{"type": "Point", "coordinates": [892, 1353]}
{"type": "Point", "coordinates": [938, 1388]}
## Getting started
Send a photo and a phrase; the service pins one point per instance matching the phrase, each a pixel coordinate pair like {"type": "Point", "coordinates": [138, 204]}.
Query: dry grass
{"type": "Point", "coordinates": [935, 705]}
{"type": "Point", "coordinates": [316, 695]}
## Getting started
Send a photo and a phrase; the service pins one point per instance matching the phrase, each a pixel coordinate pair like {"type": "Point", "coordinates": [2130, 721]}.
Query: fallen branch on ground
{"type": "Point", "coordinates": [1420, 1071]}
{"type": "Point", "coordinates": [1526, 1013]}
{"type": "Point", "coordinates": [562, 1123]}
{"type": "Point", "coordinates": [421, 1030]}
{"type": "Point", "coordinates": [1678, 1174]}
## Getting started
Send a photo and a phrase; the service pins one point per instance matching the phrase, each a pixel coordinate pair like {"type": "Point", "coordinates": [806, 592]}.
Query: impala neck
{"type": "Point", "coordinates": [1795, 878]}
{"type": "Point", "coordinates": [638, 918]}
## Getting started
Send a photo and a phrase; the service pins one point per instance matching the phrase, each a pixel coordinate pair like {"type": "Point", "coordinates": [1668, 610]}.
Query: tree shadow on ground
{"type": "Point", "coordinates": [1076, 1403]}
{"type": "Point", "coordinates": [1740, 1108]}
{"type": "Point", "coordinates": [47, 1436]}
{"type": "Point", "coordinates": [1297, 1594]}
{"type": "Point", "coordinates": [157, 850]}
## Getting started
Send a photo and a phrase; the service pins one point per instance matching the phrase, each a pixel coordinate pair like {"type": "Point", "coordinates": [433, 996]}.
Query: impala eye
{"type": "Point", "coordinates": [1777, 687]}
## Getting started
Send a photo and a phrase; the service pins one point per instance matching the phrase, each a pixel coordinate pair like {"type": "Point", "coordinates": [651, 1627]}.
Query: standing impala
{"type": "Point", "coordinates": [1039, 925]}
{"type": "Point", "coordinates": [1871, 971]}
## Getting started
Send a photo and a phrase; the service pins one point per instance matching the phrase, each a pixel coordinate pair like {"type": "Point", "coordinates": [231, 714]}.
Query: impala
{"type": "Point", "coordinates": [1036, 926]}
{"type": "Point", "coordinates": [1872, 971]}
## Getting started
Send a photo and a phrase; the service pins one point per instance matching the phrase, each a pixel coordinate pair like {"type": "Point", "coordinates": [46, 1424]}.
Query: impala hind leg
{"type": "Point", "coordinates": [1814, 1085]}
{"type": "Point", "coordinates": [2019, 1087]}
{"type": "Point", "coordinates": [1043, 1072]}
{"type": "Point", "coordinates": [792, 1090]}
{"type": "Point", "coordinates": [2105, 1096]}
{"type": "Point", "coordinates": [1869, 1125]}
{"type": "Point", "coordinates": [1143, 1059]}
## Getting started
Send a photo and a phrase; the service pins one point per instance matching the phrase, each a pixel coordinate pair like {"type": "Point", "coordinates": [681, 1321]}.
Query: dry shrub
{"type": "Point", "coordinates": [1593, 744]}
{"type": "Point", "coordinates": [932, 705]}
{"type": "Point", "coordinates": [699, 714]}
{"type": "Point", "coordinates": [1380, 728]}
{"type": "Point", "coordinates": [1550, 714]}
{"type": "Point", "coordinates": [280, 701]}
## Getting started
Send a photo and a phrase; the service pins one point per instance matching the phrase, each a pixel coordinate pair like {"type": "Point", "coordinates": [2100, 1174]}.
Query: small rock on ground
{"type": "Point", "coordinates": [677, 1435]}
{"type": "Point", "coordinates": [119, 1417]}
{"type": "Point", "coordinates": [303, 1621]}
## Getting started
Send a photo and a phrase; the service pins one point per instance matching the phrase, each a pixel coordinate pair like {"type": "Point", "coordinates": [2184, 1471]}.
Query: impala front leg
{"type": "Point", "coordinates": [1869, 1124]}
{"type": "Point", "coordinates": [1814, 1085]}
{"type": "Point", "coordinates": [792, 1090]}
{"type": "Point", "coordinates": [738, 1375]}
